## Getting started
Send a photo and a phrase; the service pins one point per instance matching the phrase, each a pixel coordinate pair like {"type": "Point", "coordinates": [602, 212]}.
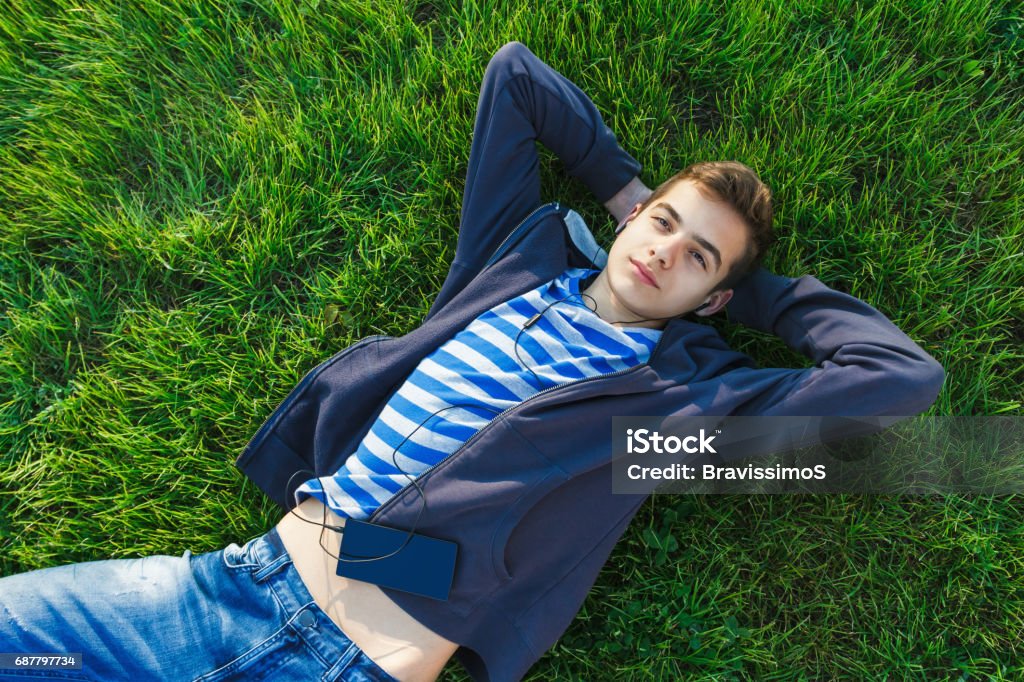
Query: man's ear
{"type": "Point", "coordinates": [632, 214]}
{"type": "Point", "coordinates": [716, 302]}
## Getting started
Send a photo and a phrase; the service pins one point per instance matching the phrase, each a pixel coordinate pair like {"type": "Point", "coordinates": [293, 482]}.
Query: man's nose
{"type": "Point", "coordinates": [666, 251]}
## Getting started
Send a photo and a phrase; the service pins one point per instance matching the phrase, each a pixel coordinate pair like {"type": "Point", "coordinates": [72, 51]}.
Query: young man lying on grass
{"type": "Point", "coordinates": [499, 405]}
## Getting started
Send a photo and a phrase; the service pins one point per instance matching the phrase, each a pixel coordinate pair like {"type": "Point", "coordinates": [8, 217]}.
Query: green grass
{"type": "Point", "coordinates": [202, 201]}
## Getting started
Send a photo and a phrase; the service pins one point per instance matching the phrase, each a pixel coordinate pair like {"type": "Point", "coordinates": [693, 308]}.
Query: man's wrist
{"type": "Point", "coordinates": [635, 192]}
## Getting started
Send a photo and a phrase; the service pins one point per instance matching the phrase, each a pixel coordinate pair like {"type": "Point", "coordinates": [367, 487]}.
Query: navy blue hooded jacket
{"type": "Point", "coordinates": [528, 497]}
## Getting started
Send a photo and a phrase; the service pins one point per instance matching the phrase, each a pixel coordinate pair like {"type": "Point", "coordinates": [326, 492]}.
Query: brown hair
{"type": "Point", "coordinates": [738, 186]}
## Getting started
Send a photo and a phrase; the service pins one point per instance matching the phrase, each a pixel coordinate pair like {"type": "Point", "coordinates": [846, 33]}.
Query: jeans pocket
{"type": "Point", "coordinates": [241, 556]}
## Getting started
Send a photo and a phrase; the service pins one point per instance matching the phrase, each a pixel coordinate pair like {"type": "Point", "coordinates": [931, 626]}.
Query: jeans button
{"type": "Point", "coordinates": [307, 619]}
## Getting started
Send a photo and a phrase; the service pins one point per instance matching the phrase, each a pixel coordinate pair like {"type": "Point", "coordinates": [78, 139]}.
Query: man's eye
{"type": "Point", "coordinates": [662, 222]}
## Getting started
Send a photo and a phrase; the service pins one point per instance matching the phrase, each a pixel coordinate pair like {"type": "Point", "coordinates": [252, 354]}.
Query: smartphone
{"type": "Point", "coordinates": [424, 566]}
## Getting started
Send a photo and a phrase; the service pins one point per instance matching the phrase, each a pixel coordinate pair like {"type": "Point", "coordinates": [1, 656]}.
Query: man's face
{"type": "Point", "coordinates": [669, 258]}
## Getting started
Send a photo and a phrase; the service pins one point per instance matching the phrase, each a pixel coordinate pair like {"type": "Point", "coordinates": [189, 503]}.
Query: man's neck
{"type": "Point", "coordinates": [610, 310]}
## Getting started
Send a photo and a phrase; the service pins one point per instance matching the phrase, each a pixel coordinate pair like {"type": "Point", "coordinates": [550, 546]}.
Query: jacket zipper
{"type": "Point", "coordinates": [312, 374]}
{"type": "Point", "coordinates": [536, 215]}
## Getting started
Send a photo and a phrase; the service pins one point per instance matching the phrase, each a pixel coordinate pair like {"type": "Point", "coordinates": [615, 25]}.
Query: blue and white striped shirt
{"type": "Point", "coordinates": [480, 372]}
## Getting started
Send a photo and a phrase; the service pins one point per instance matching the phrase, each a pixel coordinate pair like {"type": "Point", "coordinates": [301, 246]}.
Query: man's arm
{"type": "Point", "coordinates": [864, 365]}
{"type": "Point", "coordinates": [524, 101]}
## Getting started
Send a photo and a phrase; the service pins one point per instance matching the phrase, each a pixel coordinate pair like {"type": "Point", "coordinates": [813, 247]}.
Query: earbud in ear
{"type": "Point", "coordinates": [702, 306]}
{"type": "Point", "coordinates": [621, 227]}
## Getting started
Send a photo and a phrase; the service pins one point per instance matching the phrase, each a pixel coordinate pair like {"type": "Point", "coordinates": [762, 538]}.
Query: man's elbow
{"type": "Point", "coordinates": [922, 383]}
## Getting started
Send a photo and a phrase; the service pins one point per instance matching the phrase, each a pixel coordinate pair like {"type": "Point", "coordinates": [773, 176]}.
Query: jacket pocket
{"type": "Point", "coordinates": [552, 480]}
{"type": "Point", "coordinates": [243, 461]}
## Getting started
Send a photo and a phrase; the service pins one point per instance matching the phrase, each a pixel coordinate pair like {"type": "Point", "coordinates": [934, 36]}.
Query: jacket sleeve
{"type": "Point", "coordinates": [864, 365]}
{"type": "Point", "coordinates": [524, 101]}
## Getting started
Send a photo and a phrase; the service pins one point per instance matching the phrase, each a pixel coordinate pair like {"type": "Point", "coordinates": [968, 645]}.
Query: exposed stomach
{"type": "Point", "coordinates": [394, 640]}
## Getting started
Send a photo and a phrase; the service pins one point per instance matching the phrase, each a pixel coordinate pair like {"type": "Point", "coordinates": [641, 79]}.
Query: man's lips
{"type": "Point", "coordinates": [644, 274]}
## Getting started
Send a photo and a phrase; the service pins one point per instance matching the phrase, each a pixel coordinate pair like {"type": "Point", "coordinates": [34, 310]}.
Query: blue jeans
{"type": "Point", "coordinates": [241, 613]}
